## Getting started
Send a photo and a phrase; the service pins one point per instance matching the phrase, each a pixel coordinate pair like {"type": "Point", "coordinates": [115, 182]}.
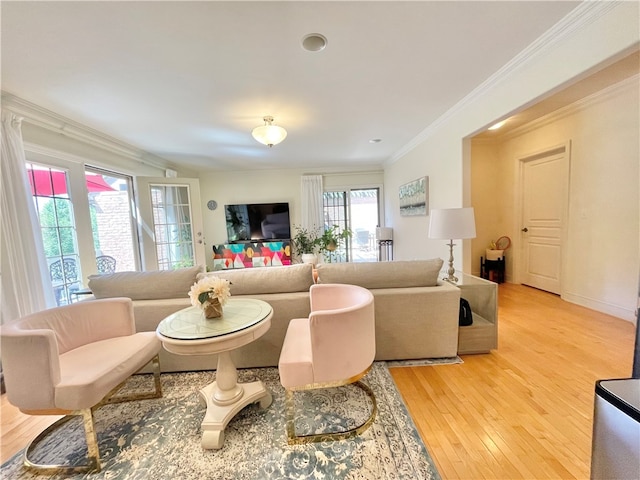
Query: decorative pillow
{"type": "Point", "coordinates": [261, 280]}
{"type": "Point", "coordinates": [398, 274]}
{"type": "Point", "coordinates": [152, 285]}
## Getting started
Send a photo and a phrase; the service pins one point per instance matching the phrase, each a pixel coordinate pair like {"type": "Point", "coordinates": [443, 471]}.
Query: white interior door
{"type": "Point", "coordinates": [170, 222]}
{"type": "Point", "coordinates": [545, 180]}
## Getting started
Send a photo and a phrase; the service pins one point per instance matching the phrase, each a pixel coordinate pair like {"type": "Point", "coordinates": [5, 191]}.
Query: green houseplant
{"type": "Point", "coordinates": [331, 240]}
{"type": "Point", "coordinates": [305, 243]}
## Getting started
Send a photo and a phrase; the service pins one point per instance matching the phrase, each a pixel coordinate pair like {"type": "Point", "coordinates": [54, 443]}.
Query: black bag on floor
{"type": "Point", "coordinates": [465, 318]}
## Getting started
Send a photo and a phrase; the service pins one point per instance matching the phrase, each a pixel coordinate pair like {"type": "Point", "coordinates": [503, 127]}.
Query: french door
{"type": "Point", "coordinates": [170, 222]}
{"type": "Point", "coordinates": [85, 220]}
{"type": "Point", "coordinates": [50, 193]}
{"type": "Point", "coordinates": [357, 209]}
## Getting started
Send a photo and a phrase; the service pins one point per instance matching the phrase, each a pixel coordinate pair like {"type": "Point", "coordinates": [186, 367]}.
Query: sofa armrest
{"type": "Point", "coordinates": [417, 322]}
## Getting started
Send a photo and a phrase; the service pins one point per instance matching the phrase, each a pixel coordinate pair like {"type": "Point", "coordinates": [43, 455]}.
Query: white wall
{"type": "Point", "coordinates": [490, 201]}
{"type": "Point", "coordinates": [263, 186]}
{"type": "Point", "coordinates": [602, 32]}
{"type": "Point", "coordinates": [601, 250]}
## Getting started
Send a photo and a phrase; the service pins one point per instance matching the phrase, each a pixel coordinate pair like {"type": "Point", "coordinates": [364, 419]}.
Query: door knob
{"type": "Point", "coordinates": [525, 229]}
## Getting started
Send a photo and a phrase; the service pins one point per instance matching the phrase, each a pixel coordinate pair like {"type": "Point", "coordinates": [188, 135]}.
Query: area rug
{"type": "Point", "coordinates": [425, 361]}
{"type": "Point", "coordinates": [160, 439]}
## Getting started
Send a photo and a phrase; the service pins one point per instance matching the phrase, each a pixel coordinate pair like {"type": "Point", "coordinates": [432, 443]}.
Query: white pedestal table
{"type": "Point", "coordinates": [188, 332]}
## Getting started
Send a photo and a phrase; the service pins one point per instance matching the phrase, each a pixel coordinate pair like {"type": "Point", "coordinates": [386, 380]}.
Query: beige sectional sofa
{"type": "Point", "coordinates": [416, 316]}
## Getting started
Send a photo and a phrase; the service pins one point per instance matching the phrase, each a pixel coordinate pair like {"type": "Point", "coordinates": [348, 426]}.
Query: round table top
{"type": "Point", "coordinates": [237, 314]}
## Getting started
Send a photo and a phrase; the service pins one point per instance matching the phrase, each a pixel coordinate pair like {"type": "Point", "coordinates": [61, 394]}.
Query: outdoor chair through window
{"type": "Point", "coordinates": [106, 264]}
{"type": "Point", "coordinates": [64, 277]}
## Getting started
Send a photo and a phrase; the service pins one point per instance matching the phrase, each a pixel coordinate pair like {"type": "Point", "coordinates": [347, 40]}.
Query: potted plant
{"type": "Point", "coordinates": [305, 243]}
{"type": "Point", "coordinates": [210, 294]}
{"type": "Point", "coordinates": [331, 240]}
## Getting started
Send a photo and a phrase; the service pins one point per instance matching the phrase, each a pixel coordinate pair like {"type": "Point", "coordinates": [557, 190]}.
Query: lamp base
{"type": "Point", "coordinates": [451, 278]}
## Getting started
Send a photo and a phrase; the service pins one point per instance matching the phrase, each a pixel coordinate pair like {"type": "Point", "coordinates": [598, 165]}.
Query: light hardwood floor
{"type": "Point", "coordinates": [523, 411]}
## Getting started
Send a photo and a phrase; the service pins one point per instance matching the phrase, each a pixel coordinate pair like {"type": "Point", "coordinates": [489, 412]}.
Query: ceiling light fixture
{"type": "Point", "coordinates": [269, 134]}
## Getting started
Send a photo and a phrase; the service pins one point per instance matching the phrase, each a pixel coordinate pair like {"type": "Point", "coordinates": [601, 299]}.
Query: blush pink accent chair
{"type": "Point", "coordinates": [334, 346]}
{"type": "Point", "coordinates": [69, 360]}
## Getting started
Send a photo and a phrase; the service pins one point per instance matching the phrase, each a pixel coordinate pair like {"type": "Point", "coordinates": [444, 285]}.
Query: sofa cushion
{"type": "Point", "coordinates": [398, 274]}
{"type": "Point", "coordinates": [252, 281]}
{"type": "Point", "coordinates": [145, 285]}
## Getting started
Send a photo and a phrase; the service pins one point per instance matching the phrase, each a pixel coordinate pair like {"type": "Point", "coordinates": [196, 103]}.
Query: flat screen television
{"type": "Point", "coordinates": [257, 222]}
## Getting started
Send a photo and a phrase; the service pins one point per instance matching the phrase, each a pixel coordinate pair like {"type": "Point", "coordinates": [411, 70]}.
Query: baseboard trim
{"type": "Point", "coordinates": [599, 306]}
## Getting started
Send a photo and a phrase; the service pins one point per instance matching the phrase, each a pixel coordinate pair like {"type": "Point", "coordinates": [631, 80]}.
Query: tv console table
{"type": "Point", "coordinates": [251, 254]}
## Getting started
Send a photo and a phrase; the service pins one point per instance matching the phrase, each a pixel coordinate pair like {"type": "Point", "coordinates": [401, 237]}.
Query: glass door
{"type": "Point", "coordinates": [359, 211]}
{"type": "Point", "coordinates": [50, 191]}
{"type": "Point", "coordinates": [170, 223]}
{"type": "Point", "coordinates": [115, 238]}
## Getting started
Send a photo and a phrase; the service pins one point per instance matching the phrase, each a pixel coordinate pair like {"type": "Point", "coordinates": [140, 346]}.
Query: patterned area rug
{"type": "Point", "coordinates": [425, 361]}
{"type": "Point", "coordinates": [160, 439]}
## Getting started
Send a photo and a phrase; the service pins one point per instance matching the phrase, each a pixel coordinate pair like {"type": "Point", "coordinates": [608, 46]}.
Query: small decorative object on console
{"type": "Point", "coordinates": [210, 294]}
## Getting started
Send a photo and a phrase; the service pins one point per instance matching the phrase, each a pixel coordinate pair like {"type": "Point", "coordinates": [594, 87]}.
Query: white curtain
{"type": "Point", "coordinates": [312, 215]}
{"type": "Point", "coordinates": [26, 286]}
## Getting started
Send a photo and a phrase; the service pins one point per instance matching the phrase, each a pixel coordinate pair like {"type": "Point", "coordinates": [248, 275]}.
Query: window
{"type": "Point", "coordinates": [358, 210]}
{"type": "Point", "coordinates": [49, 187]}
{"type": "Point", "coordinates": [82, 233]}
{"type": "Point", "coordinates": [115, 238]}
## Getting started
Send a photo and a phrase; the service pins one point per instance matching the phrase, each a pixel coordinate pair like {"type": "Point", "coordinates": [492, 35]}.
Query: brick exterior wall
{"type": "Point", "coordinates": [114, 228]}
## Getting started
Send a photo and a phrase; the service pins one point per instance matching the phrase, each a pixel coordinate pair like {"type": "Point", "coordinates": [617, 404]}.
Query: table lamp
{"type": "Point", "coordinates": [384, 235]}
{"type": "Point", "coordinates": [452, 223]}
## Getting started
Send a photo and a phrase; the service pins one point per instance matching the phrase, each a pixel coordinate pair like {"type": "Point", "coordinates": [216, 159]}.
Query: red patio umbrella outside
{"type": "Point", "coordinates": [52, 182]}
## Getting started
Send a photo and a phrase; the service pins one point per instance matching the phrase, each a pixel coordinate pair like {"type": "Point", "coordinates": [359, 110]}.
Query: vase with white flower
{"type": "Point", "coordinates": [210, 294]}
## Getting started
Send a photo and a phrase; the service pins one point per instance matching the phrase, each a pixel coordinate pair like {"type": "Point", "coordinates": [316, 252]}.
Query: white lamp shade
{"type": "Point", "coordinates": [452, 223]}
{"type": "Point", "coordinates": [269, 134]}
{"type": "Point", "coordinates": [384, 233]}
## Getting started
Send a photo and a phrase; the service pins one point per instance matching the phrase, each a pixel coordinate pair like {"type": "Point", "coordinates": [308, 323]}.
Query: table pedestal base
{"type": "Point", "coordinates": [219, 414]}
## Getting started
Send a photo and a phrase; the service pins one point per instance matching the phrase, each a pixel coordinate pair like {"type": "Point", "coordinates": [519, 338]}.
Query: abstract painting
{"type": "Point", "coordinates": [414, 197]}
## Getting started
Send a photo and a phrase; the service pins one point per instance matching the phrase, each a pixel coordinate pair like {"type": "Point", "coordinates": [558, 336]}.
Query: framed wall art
{"type": "Point", "coordinates": [414, 197]}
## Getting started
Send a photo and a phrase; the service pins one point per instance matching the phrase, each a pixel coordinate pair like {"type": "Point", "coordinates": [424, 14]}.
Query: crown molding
{"type": "Point", "coordinates": [563, 112]}
{"type": "Point", "coordinates": [584, 14]}
{"type": "Point", "coordinates": [53, 122]}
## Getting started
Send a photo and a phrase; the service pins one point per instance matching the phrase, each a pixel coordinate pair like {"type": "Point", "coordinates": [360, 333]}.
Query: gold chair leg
{"type": "Point", "coordinates": [93, 453]}
{"type": "Point", "coordinates": [293, 439]}
{"type": "Point", "coordinates": [290, 415]}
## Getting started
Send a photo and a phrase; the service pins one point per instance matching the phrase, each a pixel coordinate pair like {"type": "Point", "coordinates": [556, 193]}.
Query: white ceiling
{"type": "Point", "coordinates": [188, 81]}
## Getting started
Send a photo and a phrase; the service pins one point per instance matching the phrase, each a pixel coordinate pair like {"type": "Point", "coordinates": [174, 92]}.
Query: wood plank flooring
{"type": "Point", "coordinates": [525, 410]}
{"type": "Point", "coordinates": [522, 412]}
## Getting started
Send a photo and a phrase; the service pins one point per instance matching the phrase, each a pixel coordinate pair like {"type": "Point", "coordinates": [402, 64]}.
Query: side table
{"type": "Point", "coordinates": [492, 269]}
{"type": "Point", "coordinates": [188, 332]}
{"type": "Point", "coordinates": [482, 335]}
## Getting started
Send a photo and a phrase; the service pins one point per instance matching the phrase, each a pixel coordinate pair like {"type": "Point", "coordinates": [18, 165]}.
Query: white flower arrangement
{"type": "Point", "coordinates": [209, 288]}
